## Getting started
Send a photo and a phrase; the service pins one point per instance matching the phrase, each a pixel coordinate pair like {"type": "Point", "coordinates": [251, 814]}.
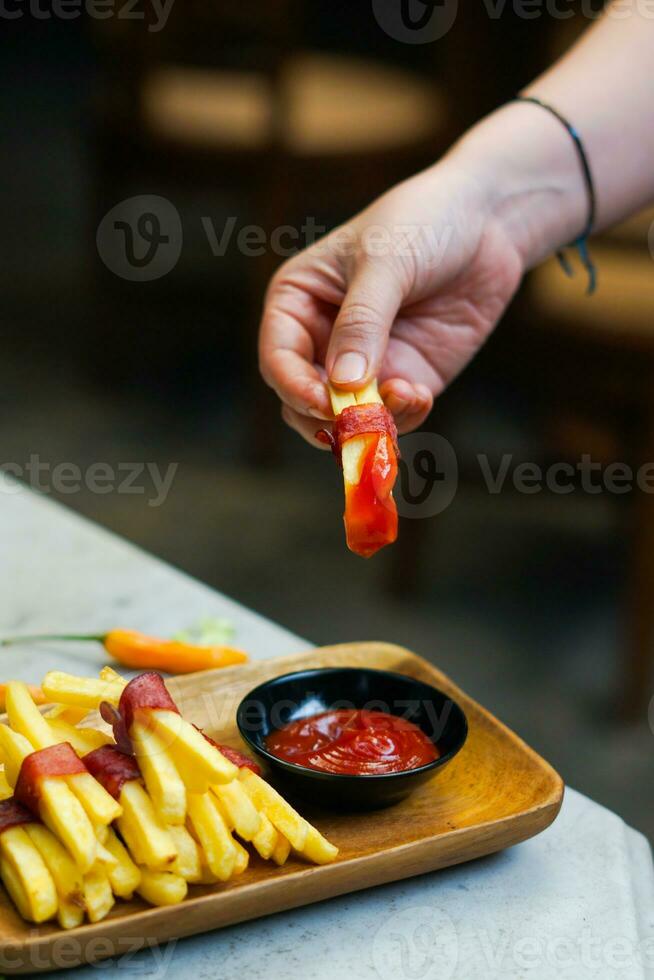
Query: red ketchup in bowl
{"type": "Point", "coordinates": [353, 742]}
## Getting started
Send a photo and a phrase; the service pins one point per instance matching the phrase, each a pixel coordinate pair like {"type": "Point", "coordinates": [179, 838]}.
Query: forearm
{"type": "Point", "coordinates": [605, 87]}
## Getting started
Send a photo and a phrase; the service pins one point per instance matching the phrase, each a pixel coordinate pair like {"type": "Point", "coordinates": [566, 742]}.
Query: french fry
{"type": "Point", "coordinates": [281, 850]}
{"type": "Point", "coordinates": [265, 841]}
{"type": "Point", "coordinates": [112, 676]}
{"type": "Point", "coordinates": [14, 886]}
{"type": "Point", "coordinates": [69, 915]}
{"type": "Point", "coordinates": [99, 805]}
{"type": "Point", "coordinates": [280, 813]}
{"type": "Point", "coordinates": [65, 873]}
{"type": "Point", "coordinates": [20, 853]}
{"type": "Point", "coordinates": [98, 897]}
{"type": "Point", "coordinates": [353, 450]}
{"type": "Point", "coordinates": [62, 812]}
{"type": "Point", "coordinates": [65, 712]}
{"type": "Point", "coordinates": [83, 740]}
{"type": "Point", "coordinates": [162, 780]}
{"type": "Point", "coordinates": [161, 887]}
{"type": "Point", "coordinates": [82, 692]}
{"type": "Point", "coordinates": [317, 848]}
{"type": "Point", "coordinates": [198, 762]}
{"type": "Point", "coordinates": [242, 858]}
{"type": "Point", "coordinates": [143, 831]}
{"type": "Point", "coordinates": [188, 863]}
{"type": "Point", "coordinates": [59, 808]}
{"type": "Point", "coordinates": [104, 861]}
{"type": "Point", "coordinates": [125, 876]}
{"type": "Point", "coordinates": [238, 809]}
{"type": "Point", "coordinates": [26, 719]}
{"type": "Point", "coordinates": [5, 789]}
{"type": "Point", "coordinates": [14, 749]}
{"type": "Point", "coordinates": [212, 833]}
{"type": "Point", "coordinates": [101, 832]}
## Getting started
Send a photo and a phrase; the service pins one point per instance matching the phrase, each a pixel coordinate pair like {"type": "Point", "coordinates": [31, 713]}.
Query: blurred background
{"type": "Point", "coordinates": [275, 113]}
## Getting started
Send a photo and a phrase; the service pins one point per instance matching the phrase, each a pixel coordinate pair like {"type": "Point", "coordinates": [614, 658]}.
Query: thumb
{"type": "Point", "coordinates": [360, 332]}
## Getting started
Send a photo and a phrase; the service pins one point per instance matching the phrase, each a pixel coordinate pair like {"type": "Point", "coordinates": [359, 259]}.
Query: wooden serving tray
{"type": "Point", "coordinates": [495, 793]}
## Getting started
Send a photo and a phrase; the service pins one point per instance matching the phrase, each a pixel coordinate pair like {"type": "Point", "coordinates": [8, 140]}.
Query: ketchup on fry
{"type": "Point", "coordinates": [353, 742]}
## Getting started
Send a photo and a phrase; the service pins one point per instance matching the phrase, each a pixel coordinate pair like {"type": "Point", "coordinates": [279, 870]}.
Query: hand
{"type": "Point", "coordinates": [406, 292]}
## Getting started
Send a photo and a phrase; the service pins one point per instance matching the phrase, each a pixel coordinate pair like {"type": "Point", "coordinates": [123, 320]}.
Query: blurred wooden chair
{"type": "Point", "coordinates": [597, 368]}
{"type": "Point", "coordinates": [228, 96]}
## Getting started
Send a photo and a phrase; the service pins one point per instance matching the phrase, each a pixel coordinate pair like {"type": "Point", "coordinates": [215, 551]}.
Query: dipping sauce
{"type": "Point", "coordinates": [353, 742]}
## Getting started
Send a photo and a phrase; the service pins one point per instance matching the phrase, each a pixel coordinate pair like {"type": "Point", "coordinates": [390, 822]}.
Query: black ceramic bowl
{"type": "Point", "coordinates": [307, 692]}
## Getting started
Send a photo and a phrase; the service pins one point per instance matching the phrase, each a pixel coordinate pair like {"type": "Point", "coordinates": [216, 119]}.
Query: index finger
{"type": "Point", "coordinates": [292, 324]}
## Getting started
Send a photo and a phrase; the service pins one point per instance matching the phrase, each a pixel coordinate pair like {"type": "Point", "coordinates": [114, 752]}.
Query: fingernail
{"type": "Point", "coordinates": [350, 366]}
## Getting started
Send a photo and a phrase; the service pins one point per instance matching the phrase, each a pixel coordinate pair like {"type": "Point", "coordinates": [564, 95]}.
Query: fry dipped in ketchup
{"type": "Point", "coordinates": [364, 441]}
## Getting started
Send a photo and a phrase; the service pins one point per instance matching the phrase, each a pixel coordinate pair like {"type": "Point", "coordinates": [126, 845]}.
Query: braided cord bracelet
{"type": "Point", "coordinates": [580, 243]}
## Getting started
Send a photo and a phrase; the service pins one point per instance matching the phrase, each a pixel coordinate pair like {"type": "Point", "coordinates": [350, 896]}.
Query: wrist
{"type": "Point", "coordinates": [529, 176]}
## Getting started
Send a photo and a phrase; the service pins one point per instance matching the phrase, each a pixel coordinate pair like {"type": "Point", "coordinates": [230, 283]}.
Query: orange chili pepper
{"type": "Point", "coordinates": [37, 695]}
{"type": "Point", "coordinates": [132, 649]}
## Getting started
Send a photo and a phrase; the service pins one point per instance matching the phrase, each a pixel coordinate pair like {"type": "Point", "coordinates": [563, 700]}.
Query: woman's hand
{"type": "Point", "coordinates": [410, 289]}
{"type": "Point", "coordinates": [406, 292]}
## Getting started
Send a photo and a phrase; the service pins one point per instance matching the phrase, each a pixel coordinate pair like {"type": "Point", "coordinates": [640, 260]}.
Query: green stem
{"type": "Point", "coordinates": [74, 637]}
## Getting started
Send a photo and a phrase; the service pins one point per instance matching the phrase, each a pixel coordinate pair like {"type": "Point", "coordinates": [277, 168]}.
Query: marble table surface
{"type": "Point", "coordinates": [575, 902]}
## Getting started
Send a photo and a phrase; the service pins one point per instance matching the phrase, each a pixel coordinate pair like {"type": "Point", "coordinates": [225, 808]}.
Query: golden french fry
{"type": "Point", "coordinates": [162, 780]}
{"type": "Point", "coordinates": [188, 863]}
{"type": "Point", "coordinates": [125, 876]}
{"type": "Point", "coordinates": [212, 833]}
{"type": "Point", "coordinates": [100, 805]}
{"type": "Point", "coordinates": [317, 848]}
{"type": "Point", "coordinates": [65, 712]}
{"type": "Point", "coordinates": [238, 809]}
{"type": "Point", "coordinates": [83, 740]}
{"type": "Point", "coordinates": [105, 861]}
{"type": "Point", "coordinates": [353, 450]}
{"type": "Point", "coordinates": [280, 813]}
{"type": "Point", "coordinates": [161, 887]}
{"type": "Point", "coordinates": [20, 853]}
{"type": "Point", "coordinates": [14, 886]}
{"type": "Point", "coordinates": [143, 831]}
{"type": "Point", "coordinates": [82, 692]}
{"type": "Point", "coordinates": [265, 841]}
{"type": "Point", "coordinates": [112, 676]}
{"type": "Point", "coordinates": [198, 762]}
{"type": "Point", "coordinates": [98, 897]}
{"type": "Point", "coordinates": [62, 812]}
{"type": "Point", "coordinates": [65, 873]}
{"type": "Point", "coordinates": [207, 877]}
{"type": "Point", "coordinates": [101, 831]}
{"type": "Point", "coordinates": [69, 915]}
{"type": "Point", "coordinates": [14, 749]}
{"type": "Point", "coordinates": [281, 850]}
{"type": "Point", "coordinates": [5, 789]}
{"type": "Point", "coordinates": [242, 858]}
{"type": "Point", "coordinates": [26, 719]}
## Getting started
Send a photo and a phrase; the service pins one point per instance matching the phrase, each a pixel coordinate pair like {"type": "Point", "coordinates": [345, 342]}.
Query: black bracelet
{"type": "Point", "coordinates": [581, 243]}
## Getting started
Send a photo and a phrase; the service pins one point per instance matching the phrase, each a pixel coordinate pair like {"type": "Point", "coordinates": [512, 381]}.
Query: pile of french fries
{"type": "Point", "coordinates": [189, 819]}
